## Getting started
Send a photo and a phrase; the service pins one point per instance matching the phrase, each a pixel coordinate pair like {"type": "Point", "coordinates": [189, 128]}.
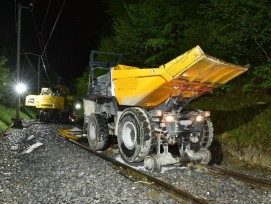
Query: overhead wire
{"type": "Point", "coordinates": [45, 53]}
{"type": "Point", "coordinates": [24, 69]}
{"type": "Point", "coordinates": [47, 10]}
{"type": "Point", "coordinates": [40, 40]}
{"type": "Point", "coordinates": [35, 25]}
{"type": "Point", "coordinates": [41, 46]}
{"type": "Point", "coordinates": [63, 4]}
{"type": "Point", "coordinates": [29, 61]}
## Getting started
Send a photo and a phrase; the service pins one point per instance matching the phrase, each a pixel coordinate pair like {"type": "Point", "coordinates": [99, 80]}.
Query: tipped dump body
{"type": "Point", "coordinates": [190, 74]}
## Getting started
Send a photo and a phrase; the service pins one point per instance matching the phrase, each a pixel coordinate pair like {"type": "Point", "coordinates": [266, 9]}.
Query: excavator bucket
{"type": "Point", "coordinates": [187, 76]}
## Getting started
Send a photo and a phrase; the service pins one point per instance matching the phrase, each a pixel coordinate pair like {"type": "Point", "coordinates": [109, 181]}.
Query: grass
{"type": "Point", "coordinates": [7, 113]}
{"type": "Point", "coordinates": [255, 131]}
{"type": "Point", "coordinates": [239, 119]}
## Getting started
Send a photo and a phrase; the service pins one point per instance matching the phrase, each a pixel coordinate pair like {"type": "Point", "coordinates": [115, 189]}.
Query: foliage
{"type": "Point", "coordinates": [226, 88]}
{"type": "Point", "coordinates": [238, 120]}
{"type": "Point", "coordinates": [6, 114]}
{"type": "Point", "coordinates": [3, 77]}
{"type": "Point", "coordinates": [150, 33]}
{"type": "Point", "coordinates": [255, 132]}
{"type": "Point", "coordinates": [240, 32]}
{"type": "Point", "coordinates": [263, 75]}
{"type": "Point", "coordinates": [243, 27]}
{"type": "Point", "coordinates": [82, 84]}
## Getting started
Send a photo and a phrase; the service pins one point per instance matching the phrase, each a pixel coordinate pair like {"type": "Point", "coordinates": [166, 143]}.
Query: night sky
{"type": "Point", "coordinates": [80, 26]}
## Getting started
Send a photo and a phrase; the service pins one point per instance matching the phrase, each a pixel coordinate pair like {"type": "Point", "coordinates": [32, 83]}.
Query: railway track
{"type": "Point", "coordinates": [173, 190]}
{"type": "Point", "coordinates": [141, 177]}
{"type": "Point", "coordinates": [177, 193]}
{"type": "Point", "coordinates": [249, 180]}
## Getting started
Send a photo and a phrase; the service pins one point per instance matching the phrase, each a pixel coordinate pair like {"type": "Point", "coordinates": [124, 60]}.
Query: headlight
{"type": "Point", "coordinates": [158, 113]}
{"type": "Point", "coordinates": [77, 106]}
{"type": "Point", "coordinates": [199, 118]}
{"type": "Point", "coordinates": [206, 113]}
{"type": "Point", "coordinates": [162, 124]}
{"type": "Point", "coordinates": [169, 118]}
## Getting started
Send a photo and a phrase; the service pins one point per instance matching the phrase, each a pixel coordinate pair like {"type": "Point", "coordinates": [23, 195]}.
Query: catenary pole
{"type": "Point", "coordinates": [17, 119]}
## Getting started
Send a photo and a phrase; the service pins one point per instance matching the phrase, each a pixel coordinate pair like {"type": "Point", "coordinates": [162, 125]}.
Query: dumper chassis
{"type": "Point", "coordinates": [144, 108]}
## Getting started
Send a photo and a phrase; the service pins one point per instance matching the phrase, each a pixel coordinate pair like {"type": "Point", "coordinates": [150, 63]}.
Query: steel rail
{"type": "Point", "coordinates": [176, 193]}
{"type": "Point", "coordinates": [254, 181]}
{"type": "Point", "coordinates": [247, 179]}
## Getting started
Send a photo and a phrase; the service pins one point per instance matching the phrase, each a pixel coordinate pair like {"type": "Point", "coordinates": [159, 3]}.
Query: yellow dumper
{"type": "Point", "coordinates": [144, 107]}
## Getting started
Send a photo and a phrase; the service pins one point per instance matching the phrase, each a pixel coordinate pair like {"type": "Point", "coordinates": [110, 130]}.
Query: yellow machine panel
{"type": "Point", "coordinates": [190, 74]}
{"type": "Point", "coordinates": [46, 100]}
{"type": "Point", "coordinates": [52, 102]}
{"type": "Point", "coordinates": [30, 100]}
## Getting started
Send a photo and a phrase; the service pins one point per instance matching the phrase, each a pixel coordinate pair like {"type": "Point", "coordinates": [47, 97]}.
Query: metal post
{"type": "Point", "coordinates": [18, 57]}
{"type": "Point", "coordinates": [38, 75]}
{"type": "Point", "coordinates": [17, 121]}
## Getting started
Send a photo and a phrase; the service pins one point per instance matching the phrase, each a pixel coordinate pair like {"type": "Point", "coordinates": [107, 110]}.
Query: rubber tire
{"type": "Point", "coordinates": [97, 131]}
{"type": "Point", "coordinates": [44, 116]}
{"type": "Point", "coordinates": [137, 123]}
{"type": "Point", "coordinates": [41, 116]}
{"type": "Point", "coordinates": [207, 134]}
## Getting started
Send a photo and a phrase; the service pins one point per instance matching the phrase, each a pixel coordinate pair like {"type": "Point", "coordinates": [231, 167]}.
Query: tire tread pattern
{"type": "Point", "coordinates": [102, 131]}
{"type": "Point", "coordinates": [147, 134]}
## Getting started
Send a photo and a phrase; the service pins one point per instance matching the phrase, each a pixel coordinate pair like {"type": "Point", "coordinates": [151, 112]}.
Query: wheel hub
{"type": "Point", "coordinates": [129, 135]}
{"type": "Point", "coordinates": [92, 131]}
{"type": "Point", "coordinates": [149, 163]}
{"type": "Point", "coordinates": [152, 163]}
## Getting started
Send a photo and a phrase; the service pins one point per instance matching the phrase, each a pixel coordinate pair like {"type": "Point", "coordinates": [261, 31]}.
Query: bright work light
{"type": "Point", "coordinates": [77, 106]}
{"type": "Point", "coordinates": [169, 118]}
{"type": "Point", "coordinates": [20, 88]}
{"type": "Point", "coordinates": [199, 118]}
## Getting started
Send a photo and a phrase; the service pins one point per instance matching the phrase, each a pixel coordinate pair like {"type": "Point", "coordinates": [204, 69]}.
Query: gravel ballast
{"type": "Point", "coordinates": [38, 166]}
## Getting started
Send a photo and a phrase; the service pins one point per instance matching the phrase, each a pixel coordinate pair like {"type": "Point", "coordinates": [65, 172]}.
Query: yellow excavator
{"type": "Point", "coordinates": [52, 106]}
{"type": "Point", "coordinates": [145, 107]}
